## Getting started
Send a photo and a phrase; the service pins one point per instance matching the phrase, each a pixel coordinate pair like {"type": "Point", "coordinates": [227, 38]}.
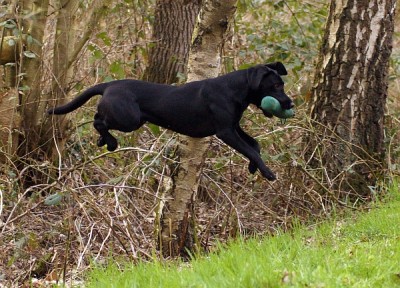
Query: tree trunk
{"type": "Point", "coordinates": [173, 29]}
{"type": "Point", "coordinates": [35, 143]}
{"type": "Point", "coordinates": [349, 95]}
{"type": "Point", "coordinates": [64, 43]}
{"type": "Point", "coordinates": [9, 117]}
{"type": "Point", "coordinates": [204, 62]}
{"type": "Point", "coordinates": [172, 33]}
{"type": "Point", "coordinates": [66, 51]}
{"type": "Point", "coordinates": [34, 25]}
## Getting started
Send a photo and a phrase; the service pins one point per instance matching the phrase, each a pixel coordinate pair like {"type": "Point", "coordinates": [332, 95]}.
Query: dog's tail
{"type": "Point", "coordinates": [80, 100]}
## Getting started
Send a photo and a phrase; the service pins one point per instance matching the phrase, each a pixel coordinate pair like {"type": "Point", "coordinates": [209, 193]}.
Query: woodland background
{"type": "Point", "coordinates": [93, 206]}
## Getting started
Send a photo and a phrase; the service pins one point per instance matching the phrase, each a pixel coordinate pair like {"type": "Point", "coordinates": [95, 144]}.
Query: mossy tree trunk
{"type": "Point", "coordinates": [67, 46]}
{"type": "Point", "coordinates": [349, 96]}
{"type": "Point", "coordinates": [172, 33]}
{"type": "Point", "coordinates": [204, 62]}
{"type": "Point", "coordinates": [34, 15]}
{"type": "Point", "coordinates": [35, 140]}
{"type": "Point", "coordinates": [10, 50]}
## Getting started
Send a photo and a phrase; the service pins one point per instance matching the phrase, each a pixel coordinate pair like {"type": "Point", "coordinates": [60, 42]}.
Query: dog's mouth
{"type": "Point", "coordinates": [286, 102]}
{"type": "Point", "coordinates": [272, 106]}
{"type": "Point", "coordinates": [287, 105]}
{"type": "Point", "coordinates": [269, 115]}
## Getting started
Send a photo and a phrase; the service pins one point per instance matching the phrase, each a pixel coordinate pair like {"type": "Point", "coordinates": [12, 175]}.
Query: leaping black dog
{"type": "Point", "coordinates": [197, 109]}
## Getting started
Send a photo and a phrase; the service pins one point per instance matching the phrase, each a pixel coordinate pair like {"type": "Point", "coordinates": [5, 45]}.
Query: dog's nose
{"type": "Point", "coordinates": [291, 105]}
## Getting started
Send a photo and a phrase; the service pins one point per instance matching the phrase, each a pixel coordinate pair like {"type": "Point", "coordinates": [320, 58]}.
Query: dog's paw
{"type": "Point", "coordinates": [112, 144]}
{"type": "Point", "coordinates": [252, 167]}
{"type": "Point", "coordinates": [101, 142]}
{"type": "Point", "coordinates": [269, 175]}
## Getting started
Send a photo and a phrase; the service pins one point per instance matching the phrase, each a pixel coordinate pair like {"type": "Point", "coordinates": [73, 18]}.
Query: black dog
{"type": "Point", "coordinates": [196, 109]}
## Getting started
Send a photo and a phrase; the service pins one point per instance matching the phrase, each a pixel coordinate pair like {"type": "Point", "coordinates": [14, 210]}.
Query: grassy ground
{"type": "Point", "coordinates": [360, 250]}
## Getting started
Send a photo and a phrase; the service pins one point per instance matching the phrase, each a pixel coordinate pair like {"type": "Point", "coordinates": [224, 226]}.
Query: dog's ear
{"type": "Point", "coordinates": [255, 76]}
{"type": "Point", "coordinates": [278, 67]}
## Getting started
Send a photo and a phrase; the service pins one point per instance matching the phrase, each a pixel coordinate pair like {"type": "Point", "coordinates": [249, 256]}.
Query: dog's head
{"type": "Point", "coordinates": [266, 80]}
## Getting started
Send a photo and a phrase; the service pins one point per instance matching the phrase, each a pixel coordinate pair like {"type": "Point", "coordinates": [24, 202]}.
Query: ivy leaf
{"type": "Point", "coordinates": [103, 36]}
{"type": "Point", "coordinates": [29, 39]}
{"type": "Point", "coordinates": [9, 24]}
{"type": "Point", "coordinates": [11, 42]}
{"type": "Point", "coordinates": [117, 69]}
{"type": "Point", "coordinates": [29, 54]}
{"type": "Point", "coordinates": [53, 199]}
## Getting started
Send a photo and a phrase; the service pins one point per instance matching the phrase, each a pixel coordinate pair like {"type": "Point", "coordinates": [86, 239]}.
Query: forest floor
{"type": "Point", "coordinates": [361, 249]}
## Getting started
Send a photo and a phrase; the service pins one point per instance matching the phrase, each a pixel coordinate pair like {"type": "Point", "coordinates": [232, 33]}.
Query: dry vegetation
{"type": "Point", "coordinates": [97, 206]}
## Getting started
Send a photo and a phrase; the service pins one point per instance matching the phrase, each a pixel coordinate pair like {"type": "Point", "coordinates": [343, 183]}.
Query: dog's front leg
{"type": "Point", "coordinates": [231, 137]}
{"type": "Point", "coordinates": [253, 143]}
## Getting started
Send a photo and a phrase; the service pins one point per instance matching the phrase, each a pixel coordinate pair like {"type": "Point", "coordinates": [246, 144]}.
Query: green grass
{"type": "Point", "coordinates": [361, 250]}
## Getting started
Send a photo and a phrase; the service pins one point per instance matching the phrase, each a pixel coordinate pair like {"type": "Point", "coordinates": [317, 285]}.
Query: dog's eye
{"type": "Point", "coordinates": [278, 86]}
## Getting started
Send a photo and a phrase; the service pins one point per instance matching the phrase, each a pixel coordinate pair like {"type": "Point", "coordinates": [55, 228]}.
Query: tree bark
{"type": "Point", "coordinates": [66, 51]}
{"type": "Point", "coordinates": [34, 26]}
{"type": "Point", "coordinates": [10, 117]}
{"type": "Point", "coordinates": [172, 32]}
{"type": "Point", "coordinates": [349, 95]}
{"type": "Point", "coordinates": [64, 44]}
{"type": "Point", "coordinates": [35, 130]}
{"type": "Point", "coordinates": [204, 62]}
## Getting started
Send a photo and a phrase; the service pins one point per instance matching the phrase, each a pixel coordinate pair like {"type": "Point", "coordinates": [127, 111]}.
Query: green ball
{"type": "Point", "coordinates": [272, 106]}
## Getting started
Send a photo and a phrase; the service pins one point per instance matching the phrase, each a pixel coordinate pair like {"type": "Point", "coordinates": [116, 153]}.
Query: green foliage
{"type": "Point", "coordinates": [358, 251]}
{"type": "Point", "coordinates": [289, 31]}
{"type": "Point", "coordinates": [10, 24]}
{"type": "Point", "coordinates": [119, 47]}
{"type": "Point", "coordinates": [117, 70]}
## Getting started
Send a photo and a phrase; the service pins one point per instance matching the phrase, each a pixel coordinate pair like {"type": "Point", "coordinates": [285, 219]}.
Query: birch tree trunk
{"type": "Point", "coordinates": [204, 62]}
{"type": "Point", "coordinates": [349, 95]}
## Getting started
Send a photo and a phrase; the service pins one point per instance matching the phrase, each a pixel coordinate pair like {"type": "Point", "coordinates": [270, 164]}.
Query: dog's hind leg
{"type": "Point", "coordinates": [116, 112]}
{"type": "Point", "coordinates": [105, 136]}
